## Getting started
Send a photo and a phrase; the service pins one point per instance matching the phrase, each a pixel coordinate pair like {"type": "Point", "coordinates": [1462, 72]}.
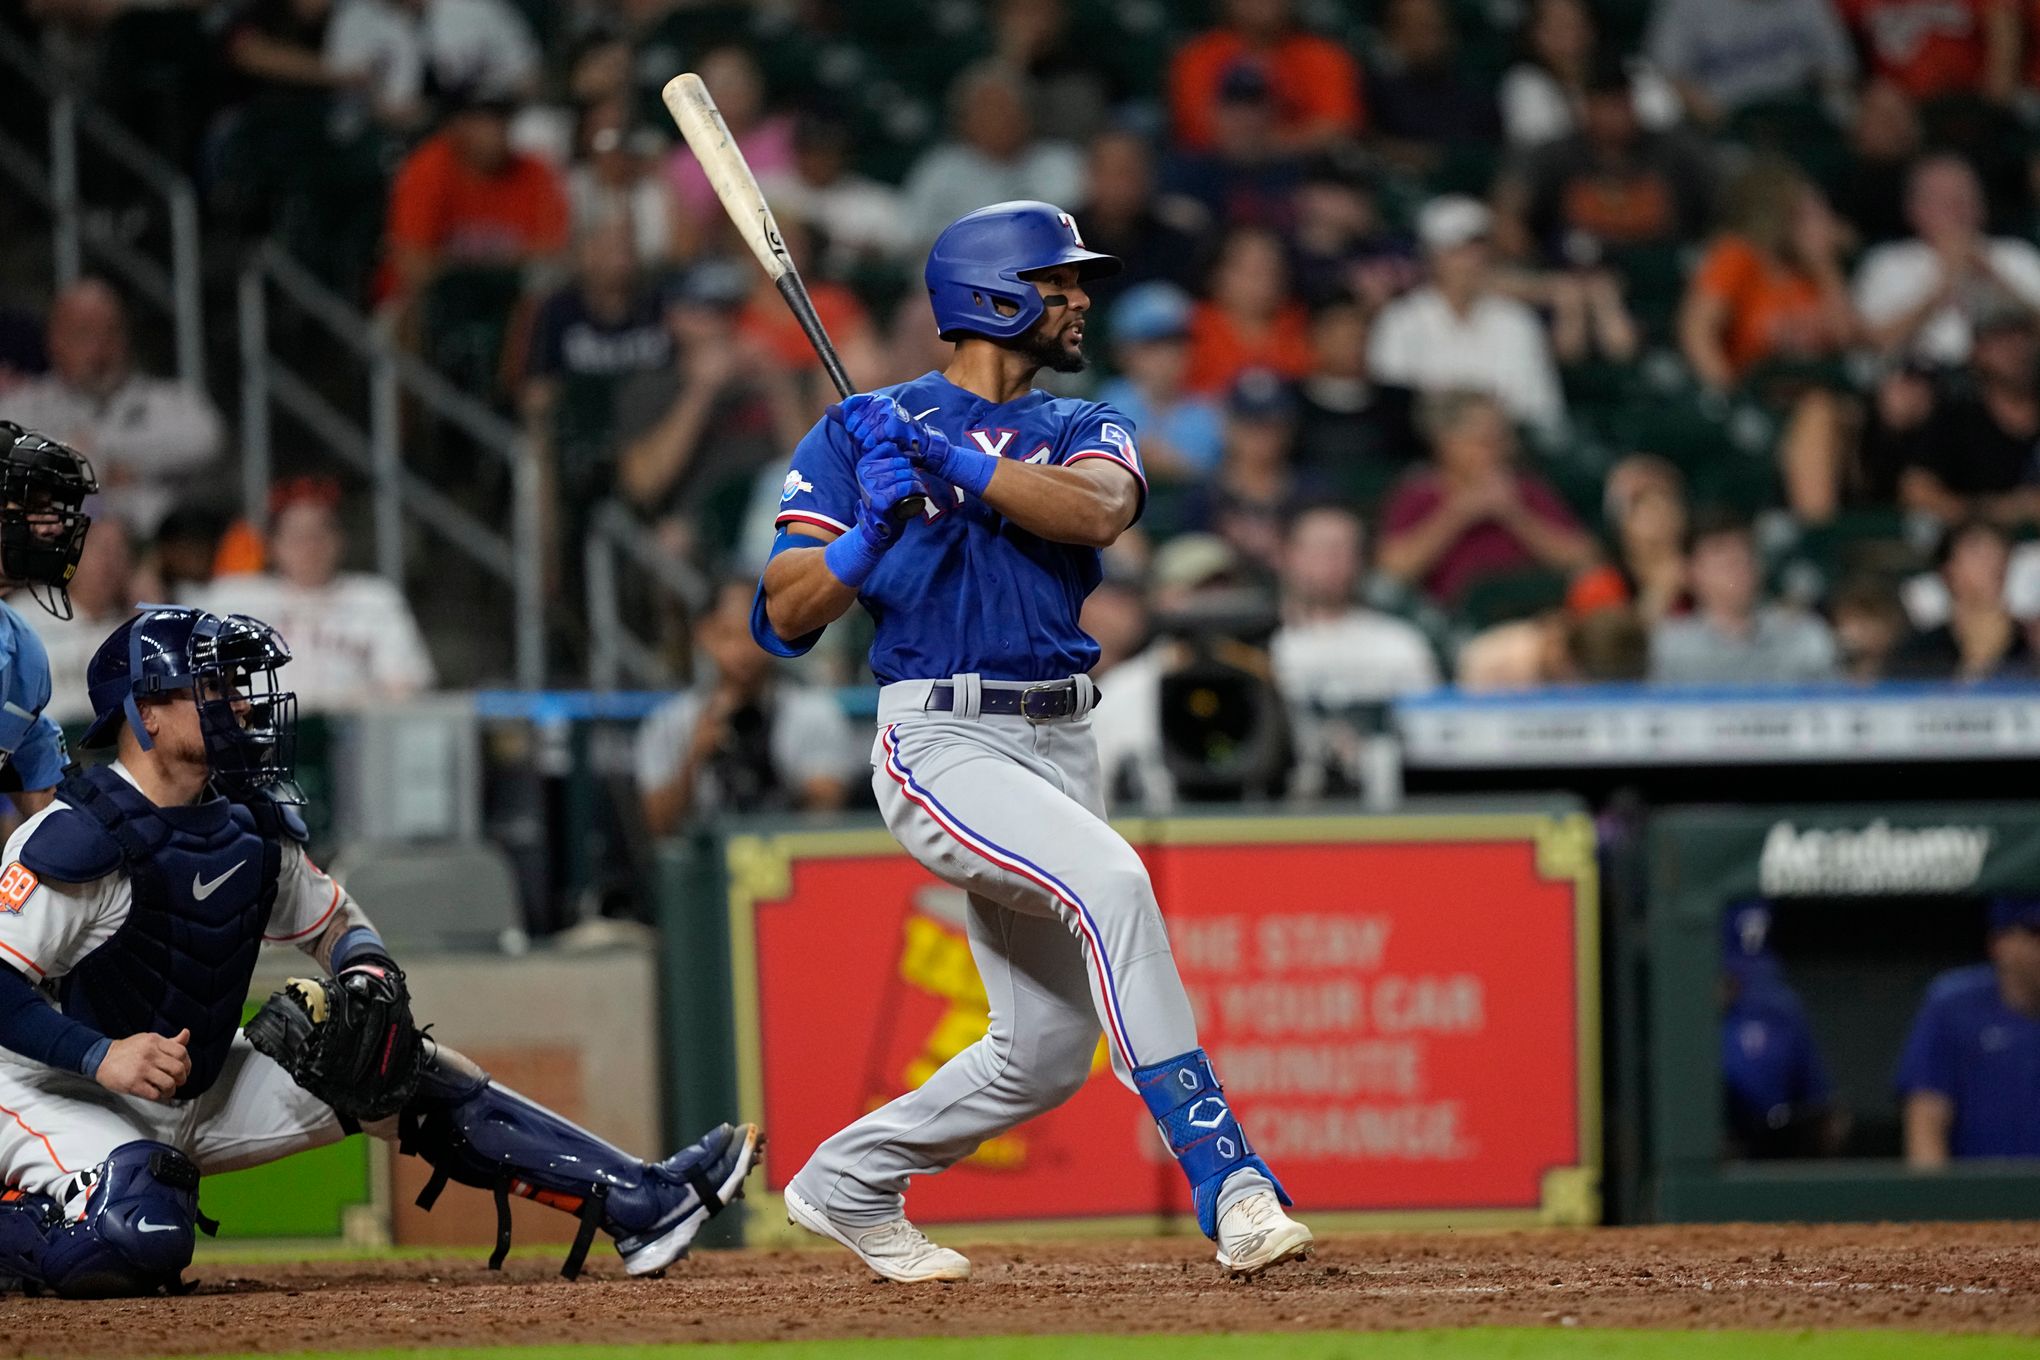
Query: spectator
{"type": "Point", "coordinates": [858, 221]}
{"type": "Point", "coordinates": [1333, 657]}
{"type": "Point", "coordinates": [1779, 1098]}
{"type": "Point", "coordinates": [1771, 286]}
{"type": "Point", "coordinates": [1472, 515]}
{"type": "Point", "coordinates": [22, 355]}
{"type": "Point", "coordinates": [279, 47]}
{"type": "Point", "coordinates": [1557, 647]}
{"type": "Point", "coordinates": [1732, 637]}
{"type": "Point", "coordinates": [1612, 184]}
{"type": "Point", "coordinates": [1247, 178]}
{"type": "Point", "coordinates": [1970, 1074]}
{"type": "Point", "coordinates": [1884, 141]}
{"type": "Point", "coordinates": [102, 595]}
{"type": "Point", "coordinates": [182, 561]}
{"type": "Point", "coordinates": [1544, 95]}
{"type": "Point", "coordinates": [1980, 639]}
{"type": "Point", "coordinates": [466, 198]}
{"type": "Point", "coordinates": [1458, 331]}
{"type": "Point", "coordinates": [1256, 486]}
{"type": "Point", "coordinates": [1930, 49]}
{"type": "Point", "coordinates": [1725, 55]}
{"type": "Point", "coordinates": [353, 639]}
{"type": "Point", "coordinates": [1965, 446]}
{"type": "Point", "coordinates": [1159, 236]}
{"type": "Point", "coordinates": [701, 428]}
{"type": "Point", "coordinates": [1352, 433]}
{"type": "Point", "coordinates": [404, 50]}
{"type": "Point", "coordinates": [1340, 245]}
{"type": "Point", "coordinates": [991, 156]}
{"type": "Point", "coordinates": [1869, 623]}
{"type": "Point", "coordinates": [741, 740]}
{"type": "Point", "coordinates": [588, 341]}
{"type": "Point", "coordinates": [767, 322]}
{"type": "Point", "coordinates": [1317, 84]}
{"type": "Point", "coordinates": [1917, 297]}
{"type": "Point", "coordinates": [1646, 503]}
{"type": "Point", "coordinates": [1070, 81]}
{"type": "Point", "coordinates": [151, 440]}
{"type": "Point", "coordinates": [766, 139]}
{"type": "Point", "coordinates": [1421, 98]}
{"type": "Point", "coordinates": [1248, 320]}
{"type": "Point", "coordinates": [1181, 434]}
{"type": "Point", "coordinates": [616, 180]}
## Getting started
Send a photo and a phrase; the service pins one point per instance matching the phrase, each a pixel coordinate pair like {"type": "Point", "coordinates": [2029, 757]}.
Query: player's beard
{"type": "Point", "coordinates": [1046, 349]}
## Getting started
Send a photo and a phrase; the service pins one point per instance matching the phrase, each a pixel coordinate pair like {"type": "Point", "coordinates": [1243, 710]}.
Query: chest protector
{"type": "Point", "coordinates": [204, 881]}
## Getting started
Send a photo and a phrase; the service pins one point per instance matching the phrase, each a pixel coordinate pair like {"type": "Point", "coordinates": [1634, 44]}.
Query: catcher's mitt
{"type": "Point", "coordinates": [349, 1040]}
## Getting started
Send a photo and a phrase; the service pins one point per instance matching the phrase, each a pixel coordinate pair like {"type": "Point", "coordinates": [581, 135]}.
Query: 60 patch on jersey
{"type": "Point", "coordinates": [17, 881]}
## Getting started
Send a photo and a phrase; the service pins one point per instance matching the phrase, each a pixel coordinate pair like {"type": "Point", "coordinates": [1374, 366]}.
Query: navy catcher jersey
{"type": "Point", "coordinates": [965, 590]}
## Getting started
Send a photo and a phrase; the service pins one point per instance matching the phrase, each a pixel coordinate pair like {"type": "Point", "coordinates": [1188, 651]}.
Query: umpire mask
{"type": "Point", "coordinates": [43, 484]}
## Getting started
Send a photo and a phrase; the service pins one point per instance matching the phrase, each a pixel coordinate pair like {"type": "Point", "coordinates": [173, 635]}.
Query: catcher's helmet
{"type": "Point", "coordinates": [43, 484]}
{"type": "Point", "coordinates": [229, 663]}
{"type": "Point", "coordinates": [981, 259]}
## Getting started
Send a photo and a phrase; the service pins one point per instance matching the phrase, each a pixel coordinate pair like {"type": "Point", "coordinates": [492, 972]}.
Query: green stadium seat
{"type": "Point", "coordinates": [1518, 595]}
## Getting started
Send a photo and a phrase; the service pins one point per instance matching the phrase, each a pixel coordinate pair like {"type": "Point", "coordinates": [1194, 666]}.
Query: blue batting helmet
{"type": "Point", "coordinates": [981, 259]}
{"type": "Point", "coordinates": [229, 664]}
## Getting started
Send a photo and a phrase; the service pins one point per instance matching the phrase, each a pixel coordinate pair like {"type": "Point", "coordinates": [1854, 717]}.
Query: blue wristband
{"type": "Point", "coordinates": [852, 558]}
{"type": "Point", "coordinates": [356, 944]}
{"type": "Point", "coordinates": [970, 471]}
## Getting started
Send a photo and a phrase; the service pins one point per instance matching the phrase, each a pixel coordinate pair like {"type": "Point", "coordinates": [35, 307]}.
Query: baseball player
{"type": "Point", "coordinates": [43, 485]}
{"type": "Point", "coordinates": [131, 913]}
{"type": "Point", "coordinates": [966, 510]}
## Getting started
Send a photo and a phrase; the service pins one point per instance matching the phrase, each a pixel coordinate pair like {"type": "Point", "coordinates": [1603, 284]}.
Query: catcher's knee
{"type": "Point", "coordinates": [137, 1231]}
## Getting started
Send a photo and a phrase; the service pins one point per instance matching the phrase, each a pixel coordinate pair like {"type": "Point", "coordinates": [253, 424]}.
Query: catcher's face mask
{"type": "Point", "coordinates": [248, 720]}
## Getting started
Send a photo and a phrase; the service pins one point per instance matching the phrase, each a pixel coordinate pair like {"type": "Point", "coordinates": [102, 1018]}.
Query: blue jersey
{"type": "Point", "coordinates": [1770, 1063]}
{"type": "Point", "coordinates": [1969, 1046]}
{"type": "Point", "coordinates": [32, 754]}
{"type": "Point", "coordinates": [964, 590]}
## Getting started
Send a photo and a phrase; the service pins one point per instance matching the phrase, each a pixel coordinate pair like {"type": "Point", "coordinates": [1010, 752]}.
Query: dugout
{"type": "Point", "coordinates": [1871, 902]}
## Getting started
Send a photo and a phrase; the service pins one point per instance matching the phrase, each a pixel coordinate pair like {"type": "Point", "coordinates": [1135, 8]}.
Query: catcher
{"type": "Point", "coordinates": [131, 913]}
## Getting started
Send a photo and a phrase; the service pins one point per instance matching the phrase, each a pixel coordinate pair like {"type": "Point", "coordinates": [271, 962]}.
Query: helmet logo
{"type": "Point", "coordinates": [1070, 225]}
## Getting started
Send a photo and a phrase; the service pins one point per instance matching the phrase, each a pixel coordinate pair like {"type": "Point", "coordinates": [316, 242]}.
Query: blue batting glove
{"type": "Point", "coordinates": [881, 423]}
{"type": "Point", "coordinates": [884, 483]}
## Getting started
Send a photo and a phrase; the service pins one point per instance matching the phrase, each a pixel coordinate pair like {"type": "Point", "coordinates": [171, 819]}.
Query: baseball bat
{"type": "Point", "coordinates": [701, 123]}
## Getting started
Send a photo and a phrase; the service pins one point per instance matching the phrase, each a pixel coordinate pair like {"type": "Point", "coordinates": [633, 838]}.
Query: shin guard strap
{"type": "Point", "coordinates": [705, 1188]}
{"type": "Point", "coordinates": [429, 1196]}
{"type": "Point", "coordinates": [502, 1224]}
{"type": "Point", "coordinates": [590, 1214]}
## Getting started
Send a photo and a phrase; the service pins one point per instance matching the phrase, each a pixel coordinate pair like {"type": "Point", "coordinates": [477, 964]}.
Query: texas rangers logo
{"type": "Point", "coordinates": [793, 486]}
{"type": "Point", "coordinates": [1119, 438]}
{"type": "Point", "coordinates": [1069, 224]}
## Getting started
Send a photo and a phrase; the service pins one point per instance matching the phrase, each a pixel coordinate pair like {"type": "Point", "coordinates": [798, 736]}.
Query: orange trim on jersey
{"type": "Point", "coordinates": [34, 1133]}
{"type": "Point", "coordinates": [330, 908]}
{"type": "Point", "coordinates": [24, 958]}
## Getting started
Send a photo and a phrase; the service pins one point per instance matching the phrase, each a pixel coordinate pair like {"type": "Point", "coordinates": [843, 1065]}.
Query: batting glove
{"type": "Point", "coordinates": [878, 424]}
{"type": "Point", "coordinates": [884, 483]}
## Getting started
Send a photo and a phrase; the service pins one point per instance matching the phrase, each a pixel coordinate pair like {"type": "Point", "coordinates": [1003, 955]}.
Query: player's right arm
{"type": "Point", "coordinates": [836, 521]}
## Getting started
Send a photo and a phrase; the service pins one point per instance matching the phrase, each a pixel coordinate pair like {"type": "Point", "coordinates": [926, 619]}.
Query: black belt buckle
{"type": "Point", "coordinates": [1058, 699]}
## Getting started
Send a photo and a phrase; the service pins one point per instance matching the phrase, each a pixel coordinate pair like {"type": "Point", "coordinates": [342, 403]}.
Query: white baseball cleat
{"type": "Point", "coordinates": [897, 1250]}
{"type": "Point", "coordinates": [1255, 1234]}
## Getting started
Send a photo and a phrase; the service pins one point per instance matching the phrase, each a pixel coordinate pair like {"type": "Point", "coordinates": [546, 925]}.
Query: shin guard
{"type": "Point", "coordinates": [135, 1236]}
{"type": "Point", "coordinates": [1197, 1122]}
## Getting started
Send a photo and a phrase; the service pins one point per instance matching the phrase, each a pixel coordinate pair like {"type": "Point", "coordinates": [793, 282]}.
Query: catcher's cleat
{"type": "Point", "coordinates": [897, 1251]}
{"type": "Point", "coordinates": [1255, 1234]}
{"type": "Point", "coordinates": [709, 1174]}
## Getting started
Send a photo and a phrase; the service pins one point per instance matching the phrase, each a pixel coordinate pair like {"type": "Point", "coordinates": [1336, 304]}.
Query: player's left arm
{"type": "Point", "coordinates": [1089, 503]}
{"type": "Point", "coordinates": [317, 915]}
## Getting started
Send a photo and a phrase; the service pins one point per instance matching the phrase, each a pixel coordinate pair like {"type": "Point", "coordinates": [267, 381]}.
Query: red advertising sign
{"type": "Point", "coordinates": [1403, 1010]}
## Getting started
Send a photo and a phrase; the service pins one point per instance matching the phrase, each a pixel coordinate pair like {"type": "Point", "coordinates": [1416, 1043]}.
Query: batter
{"type": "Point", "coordinates": [966, 511]}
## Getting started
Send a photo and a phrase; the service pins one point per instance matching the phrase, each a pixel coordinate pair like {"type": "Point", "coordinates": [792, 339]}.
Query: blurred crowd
{"type": "Point", "coordinates": [1505, 344]}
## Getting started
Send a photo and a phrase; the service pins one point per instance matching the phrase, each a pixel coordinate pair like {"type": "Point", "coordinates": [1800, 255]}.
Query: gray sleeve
{"type": "Point", "coordinates": [662, 741]}
{"type": "Point", "coordinates": [812, 739]}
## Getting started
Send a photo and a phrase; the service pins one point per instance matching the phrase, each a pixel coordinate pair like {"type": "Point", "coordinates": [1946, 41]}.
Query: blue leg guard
{"type": "Point", "coordinates": [1186, 1100]}
{"type": "Point", "coordinates": [135, 1237]}
{"type": "Point", "coordinates": [478, 1133]}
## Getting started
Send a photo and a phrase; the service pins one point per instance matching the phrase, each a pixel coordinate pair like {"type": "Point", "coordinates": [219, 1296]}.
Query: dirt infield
{"type": "Point", "coordinates": [1980, 1277]}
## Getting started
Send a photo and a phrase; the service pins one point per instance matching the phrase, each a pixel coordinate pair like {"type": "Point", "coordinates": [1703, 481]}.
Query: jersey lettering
{"type": "Point", "coordinates": [17, 882]}
{"type": "Point", "coordinates": [992, 442]}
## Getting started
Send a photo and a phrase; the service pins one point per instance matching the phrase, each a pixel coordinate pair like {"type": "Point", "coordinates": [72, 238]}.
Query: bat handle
{"type": "Point", "coordinates": [797, 300]}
